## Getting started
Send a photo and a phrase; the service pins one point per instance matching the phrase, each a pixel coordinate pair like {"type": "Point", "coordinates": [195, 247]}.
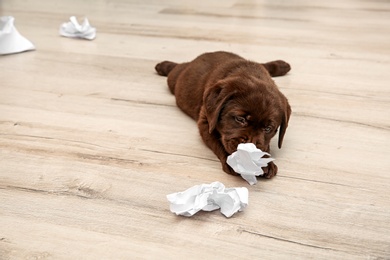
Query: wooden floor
{"type": "Point", "coordinates": [91, 141]}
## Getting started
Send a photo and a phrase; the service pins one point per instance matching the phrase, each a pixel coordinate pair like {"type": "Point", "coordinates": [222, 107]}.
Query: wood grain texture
{"type": "Point", "coordinates": [91, 140]}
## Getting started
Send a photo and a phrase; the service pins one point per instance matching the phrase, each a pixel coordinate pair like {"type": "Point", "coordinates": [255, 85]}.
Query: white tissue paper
{"type": "Point", "coordinates": [11, 41]}
{"type": "Point", "coordinates": [208, 197]}
{"type": "Point", "coordinates": [247, 161]}
{"type": "Point", "coordinates": [74, 30]}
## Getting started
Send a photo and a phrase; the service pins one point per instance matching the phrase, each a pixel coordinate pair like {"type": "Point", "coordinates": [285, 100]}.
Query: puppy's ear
{"type": "Point", "coordinates": [213, 99]}
{"type": "Point", "coordinates": [284, 124]}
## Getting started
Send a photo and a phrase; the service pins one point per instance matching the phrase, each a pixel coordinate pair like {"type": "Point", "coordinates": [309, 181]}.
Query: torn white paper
{"type": "Point", "coordinates": [11, 41]}
{"type": "Point", "coordinates": [208, 197]}
{"type": "Point", "coordinates": [247, 161]}
{"type": "Point", "coordinates": [74, 30]}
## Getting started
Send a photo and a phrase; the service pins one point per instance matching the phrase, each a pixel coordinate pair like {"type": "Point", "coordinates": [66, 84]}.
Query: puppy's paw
{"type": "Point", "coordinates": [163, 68]}
{"type": "Point", "coordinates": [270, 171]}
{"type": "Point", "coordinates": [277, 68]}
{"type": "Point", "coordinates": [226, 168]}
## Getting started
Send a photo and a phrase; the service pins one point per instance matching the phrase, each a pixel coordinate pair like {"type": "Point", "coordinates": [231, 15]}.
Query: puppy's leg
{"type": "Point", "coordinates": [163, 68]}
{"type": "Point", "coordinates": [212, 141]}
{"type": "Point", "coordinates": [277, 68]}
{"type": "Point", "coordinates": [172, 70]}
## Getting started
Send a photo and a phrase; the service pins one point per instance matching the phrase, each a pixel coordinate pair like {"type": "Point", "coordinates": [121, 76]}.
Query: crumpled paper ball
{"type": "Point", "coordinates": [247, 161]}
{"type": "Point", "coordinates": [74, 30]}
{"type": "Point", "coordinates": [208, 197]}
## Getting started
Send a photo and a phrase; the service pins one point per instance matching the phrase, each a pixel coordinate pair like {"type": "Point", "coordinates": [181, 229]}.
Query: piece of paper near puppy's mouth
{"type": "Point", "coordinates": [248, 162]}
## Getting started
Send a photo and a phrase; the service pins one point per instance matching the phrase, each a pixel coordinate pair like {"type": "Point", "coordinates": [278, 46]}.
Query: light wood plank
{"type": "Point", "coordinates": [91, 141]}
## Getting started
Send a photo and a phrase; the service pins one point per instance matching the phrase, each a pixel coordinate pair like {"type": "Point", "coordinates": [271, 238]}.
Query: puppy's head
{"type": "Point", "coordinates": [246, 111]}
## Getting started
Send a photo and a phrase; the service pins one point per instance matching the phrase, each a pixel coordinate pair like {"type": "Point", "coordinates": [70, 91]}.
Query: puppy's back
{"type": "Point", "coordinates": [188, 81]}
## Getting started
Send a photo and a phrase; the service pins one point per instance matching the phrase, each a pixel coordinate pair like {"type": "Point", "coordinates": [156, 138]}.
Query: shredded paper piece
{"type": "Point", "coordinates": [11, 41]}
{"type": "Point", "coordinates": [247, 161]}
{"type": "Point", "coordinates": [208, 197]}
{"type": "Point", "coordinates": [74, 30]}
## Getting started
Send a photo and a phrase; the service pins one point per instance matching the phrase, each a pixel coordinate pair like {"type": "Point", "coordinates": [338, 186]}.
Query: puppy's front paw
{"type": "Point", "coordinates": [270, 171]}
{"type": "Point", "coordinates": [226, 168]}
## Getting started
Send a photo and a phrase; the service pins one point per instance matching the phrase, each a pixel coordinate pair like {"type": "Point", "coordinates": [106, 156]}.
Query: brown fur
{"type": "Point", "coordinates": [232, 99]}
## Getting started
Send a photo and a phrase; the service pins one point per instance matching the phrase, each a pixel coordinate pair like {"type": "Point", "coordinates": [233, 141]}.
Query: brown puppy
{"type": "Point", "coordinates": [233, 100]}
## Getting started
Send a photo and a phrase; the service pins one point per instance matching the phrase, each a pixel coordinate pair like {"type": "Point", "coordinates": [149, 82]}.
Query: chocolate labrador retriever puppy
{"type": "Point", "coordinates": [233, 100]}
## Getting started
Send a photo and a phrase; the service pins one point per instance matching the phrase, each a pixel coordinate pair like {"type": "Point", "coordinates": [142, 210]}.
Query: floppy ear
{"type": "Point", "coordinates": [284, 124]}
{"type": "Point", "coordinates": [214, 99]}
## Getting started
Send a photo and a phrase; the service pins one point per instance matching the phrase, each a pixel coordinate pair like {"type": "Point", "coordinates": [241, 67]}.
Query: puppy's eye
{"type": "Point", "coordinates": [240, 120]}
{"type": "Point", "coordinates": [268, 129]}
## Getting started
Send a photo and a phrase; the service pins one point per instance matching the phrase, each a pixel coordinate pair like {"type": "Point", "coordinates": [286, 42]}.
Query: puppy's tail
{"type": "Point", "coordinates": [163, 68]}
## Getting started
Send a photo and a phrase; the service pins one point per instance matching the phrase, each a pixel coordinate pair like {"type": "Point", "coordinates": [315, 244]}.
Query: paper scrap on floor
{"type": "Point", "coordinates": [208, 197]}
{"type": "Point", "coordinates": [11, 41]}
{"type": "Point", "coordinates": [73, 29]}
{"type": "Point", "coordinates": [247, 161]}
